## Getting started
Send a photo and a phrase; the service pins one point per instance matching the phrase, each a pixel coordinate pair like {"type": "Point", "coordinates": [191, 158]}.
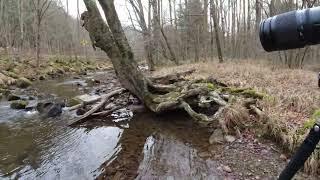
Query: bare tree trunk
{"type": "Point", "coordinates": [223, 28]}
{"type": "Point", "coordinates": [170, 12]}
{"type": "Point", "coordinates": [258, 14]}
{"type": "Point", "coordinates": [216, 29]}
{"type": "Point", "coordinates": [211, 39]}
{"type": "Point", "coordinates": [113, 41]}
{"type": "Point", "coordinates": [175, 15]}
{"type": "Point", "coordinates": [249, 17]}
{"type": "Point", "coordinates": [233, 29]}
{"type": "Point", "coordinates": [38, 41]}
{"type": "Point", "coordinates": [172, 54]}
{"type": "Point", "coordinates": [205, 15]}
{"type": "Point", "coordinates": [146, 31]}
{"type": "Point", "coordinates": [156, 30]}
{"type": "Point", "coordinates": [21, 19]}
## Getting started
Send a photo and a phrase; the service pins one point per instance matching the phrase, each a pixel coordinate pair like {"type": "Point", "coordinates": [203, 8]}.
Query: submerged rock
{"type": "Point", "coordinates": [55, 110]}
{"type": "Point", "coordinates": [23, 82]}
{"type": "Point", "coordinates": [12, 97]}
{"type": "Point", "coordinates": [50, 109]}
{"type": "Point", "coordinates": [31, 106]}
{"type": "Point", "coordinates": [20, 104]}
{"type": "Point", "coordinates": [73, 102]}
{"type": "Point", "coordinates": [227, 169]}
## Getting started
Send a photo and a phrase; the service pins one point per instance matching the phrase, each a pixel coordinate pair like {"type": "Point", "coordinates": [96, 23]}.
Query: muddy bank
{"type": "Point", "coordinates": [173, 147]}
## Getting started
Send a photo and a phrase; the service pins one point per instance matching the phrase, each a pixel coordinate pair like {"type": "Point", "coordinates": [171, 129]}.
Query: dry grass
{"type": "Point", "coordinates": [293, 97]}
{"type": "Point", "coordinates": [294, 94]}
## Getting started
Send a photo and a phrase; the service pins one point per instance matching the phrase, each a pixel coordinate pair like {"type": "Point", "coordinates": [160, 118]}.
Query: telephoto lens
{"type": "Point", "coordinates": [291, 30]}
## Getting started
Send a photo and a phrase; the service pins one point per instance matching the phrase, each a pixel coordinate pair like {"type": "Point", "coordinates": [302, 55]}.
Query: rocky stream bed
{"type": "Point", "coordinates": [122, 145]}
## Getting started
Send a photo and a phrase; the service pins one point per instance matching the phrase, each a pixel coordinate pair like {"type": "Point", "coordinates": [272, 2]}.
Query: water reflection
{"type": "Point", "coordinates": [155, 147]}
{"type": "Point", "coordinates": [48, 149]}
{"type": "Point", "coordinates": [33, 147]}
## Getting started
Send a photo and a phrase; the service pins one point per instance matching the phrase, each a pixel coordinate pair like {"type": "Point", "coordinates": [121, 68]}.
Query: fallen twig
{"type": "Point", "coordinates": [107, 112]}
{"type": "Point", "coordinates": [104, 99]}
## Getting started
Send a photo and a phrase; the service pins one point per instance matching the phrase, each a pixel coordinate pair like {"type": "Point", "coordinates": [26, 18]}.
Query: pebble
{"type": "Point", "coordinates": [227, 169]}
{"type": "Point", "coordinates": [283, 157]}
{"type": "Point", "coordinates": [216, 137]}
{"type": "Point", "coordinates": [204, 154]}
{"type": "Point", "coordinates": [229, 139]}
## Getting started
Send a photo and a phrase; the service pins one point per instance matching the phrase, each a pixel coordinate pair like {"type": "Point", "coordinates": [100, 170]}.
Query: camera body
{"type": "Point", "coordinates": [291, 30]}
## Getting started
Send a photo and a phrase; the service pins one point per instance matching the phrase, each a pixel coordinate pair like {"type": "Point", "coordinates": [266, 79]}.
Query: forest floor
{"type": "Point", "coordinates": [291, 105]}
{"type": "Point", "coordinates": [261, 152]}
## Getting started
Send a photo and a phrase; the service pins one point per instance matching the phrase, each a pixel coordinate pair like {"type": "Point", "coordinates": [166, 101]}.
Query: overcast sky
{"type": "Point", "coordinates": [120, 6]}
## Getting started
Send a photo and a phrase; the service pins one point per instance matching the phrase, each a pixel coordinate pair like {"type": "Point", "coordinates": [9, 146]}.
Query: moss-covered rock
{"type": "Point", "coordinates": [23, 82]}
{"type": "Point", "coordinates": [20, 104]}
{"type": "Point", "coordinates": [4, 92]}
{"type": "Point", "coordinates": [13, 97]}
{"type": "Point", "coordinates": [73, 102]}
{"type": "Point", "coordinates": [11, 74]}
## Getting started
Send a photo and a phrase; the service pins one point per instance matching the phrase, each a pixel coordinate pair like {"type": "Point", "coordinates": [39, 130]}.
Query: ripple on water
{"type": "Point", "coordinates": [40, 148]}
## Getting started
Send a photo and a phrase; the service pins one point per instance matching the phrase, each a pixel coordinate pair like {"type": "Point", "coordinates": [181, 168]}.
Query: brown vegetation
{"type": "Point", "coordinates": [289, 107]}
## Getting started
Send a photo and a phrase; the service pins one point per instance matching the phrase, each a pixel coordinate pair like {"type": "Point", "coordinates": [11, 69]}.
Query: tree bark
{"type": "Point", "coordinates": [216, 30]}
{"type": "Point", "coordinates": [156, 29]}
{"type": "Point", "coordinates": [258, 14]}
{"type": "Point", "coordinates": [38, 40]}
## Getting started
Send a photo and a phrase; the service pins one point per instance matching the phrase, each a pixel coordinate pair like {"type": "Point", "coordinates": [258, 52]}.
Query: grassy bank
{"type": "Point", "coordinates": [291, 105]}
{"type": "Point", "coordinates": [52, 67]}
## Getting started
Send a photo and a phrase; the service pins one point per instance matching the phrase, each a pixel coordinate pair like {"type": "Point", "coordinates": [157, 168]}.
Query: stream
{"type": "Point", "coordinates": [146, 146]}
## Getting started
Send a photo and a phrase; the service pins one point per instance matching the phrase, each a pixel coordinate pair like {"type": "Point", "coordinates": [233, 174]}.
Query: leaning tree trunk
{"type": "Point", "coordinates": [175, 92]}
{"type": "Point", "coordinates": [112, 40]}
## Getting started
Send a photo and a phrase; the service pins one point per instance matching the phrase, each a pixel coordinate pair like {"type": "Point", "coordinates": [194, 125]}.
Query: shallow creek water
{"type": "Point", "coordinates": [145, 146]}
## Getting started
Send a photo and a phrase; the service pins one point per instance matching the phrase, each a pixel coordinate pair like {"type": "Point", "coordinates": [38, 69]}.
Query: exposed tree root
{"type": "Point", "coordinates": [194, 97]}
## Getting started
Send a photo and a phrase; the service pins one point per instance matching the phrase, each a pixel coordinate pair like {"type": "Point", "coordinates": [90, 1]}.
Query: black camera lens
{"type": "Point", "coordinates": [291, 30]}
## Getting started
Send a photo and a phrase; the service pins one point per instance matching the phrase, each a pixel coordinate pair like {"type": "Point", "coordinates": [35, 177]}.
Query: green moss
{"type": "Point", "coordinates": [309, 123]}
{"type": "Point", "coordinates": [11, 74]}
{"type": "Point", "coordinates": [73, 102]}
{"type": "Point", "coordinates": [211, 86]}
{"type": "Point", "coordinates": [12, 97]}
{"type": "Point", "coordinates": [20, 104]}
{"type": "Point", "coordinates": [247, 92]}
{"type": "Point", "coordinates": [253, 94]}
{"type": "Point", "coordinates": [316, 114]}
{"type": "Point", "coordinates": [5, 92]}
{"type": "Point", "coordinates": [23, 82]}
